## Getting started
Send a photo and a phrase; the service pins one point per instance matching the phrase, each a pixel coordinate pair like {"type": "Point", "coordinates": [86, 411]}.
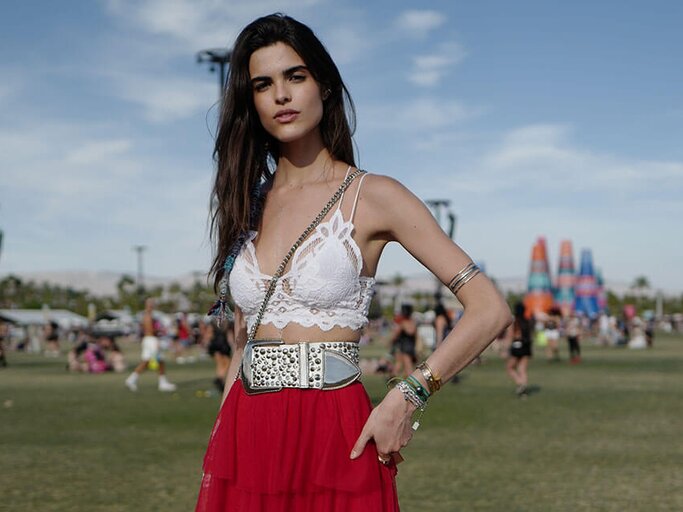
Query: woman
{"type": "Point", "coordinates": [574, 338]}
{"type": "Point", "coordinates": [404, 341]}
{"type": "Point", "coordinates": [219, 350]}
{"type": "Point", "coordinates": [442, 323]}
{"type": "Point", "coordinates": [520, 351]}
{"type": "Point", "coordinates": [282, 441]}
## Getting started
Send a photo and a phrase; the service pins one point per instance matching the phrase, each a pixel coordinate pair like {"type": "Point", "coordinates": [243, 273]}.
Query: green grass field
{"type": "Point", "coordinates": [601, 436]}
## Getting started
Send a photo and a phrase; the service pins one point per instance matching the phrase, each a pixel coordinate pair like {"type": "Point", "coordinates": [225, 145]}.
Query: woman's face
{"type": "Point", "coordinates": [286, 96]}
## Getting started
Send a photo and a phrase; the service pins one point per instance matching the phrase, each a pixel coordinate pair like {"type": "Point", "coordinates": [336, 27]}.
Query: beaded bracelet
{"type": "Point", "coordinates": [409, 395]}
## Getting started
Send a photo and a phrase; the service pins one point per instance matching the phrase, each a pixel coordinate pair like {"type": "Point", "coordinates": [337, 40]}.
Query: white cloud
{"type": "Point", "coordinates": [163, 99]}
{"type": "Point", "coordinates": [346, 43]}
{"type": "Point", "coordinates": [199, 23]}
{"type": "Point", "coordinates": [93, 152]}
{"type": "Point", "coordinates": [542, 161]}
{"type": "Point", "coordinates": [418, 23]}
{"type": "Point", "coordinates": [419, 120]}
{"type": "Point", "coordinates": [75, 199]}
{"type": "Point", "coordinates": [430, 68]}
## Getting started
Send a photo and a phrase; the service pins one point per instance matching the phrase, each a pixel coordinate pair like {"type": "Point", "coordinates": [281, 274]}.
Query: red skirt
{"type": "Point", "coordinates": [288, 451]}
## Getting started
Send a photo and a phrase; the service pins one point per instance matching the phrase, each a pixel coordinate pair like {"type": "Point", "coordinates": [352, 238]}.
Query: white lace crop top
{"type": "Point", "coordinates": [323, 287]}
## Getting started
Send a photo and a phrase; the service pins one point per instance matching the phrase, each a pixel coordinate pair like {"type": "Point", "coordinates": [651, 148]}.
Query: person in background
{"type": "Point", "coordinates": [520, 351]}
{"type": "Point", "coordinates": [404, 342]}
{"type": "Point", "coordinates": [52, 339]}
{"type": "Point", "coordinates": [220, 350]}
{"type": "Point", "coordinates": [182, 340]}
{"type": "Point", "coordinates": [150, 351]}
{"type": "Point", "coordinates": [442, 323]}
{"type": "Point", "coordinates": [4, 335]}
{"type": "Point", "coordinates": [650, 332]}
{"type": "Point", "coordinates": [552, 334]}
{"type": "Point", "coordinates": [573, 332]}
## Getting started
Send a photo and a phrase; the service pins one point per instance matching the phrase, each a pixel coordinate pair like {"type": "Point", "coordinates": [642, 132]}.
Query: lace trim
{"type": "Point", "coordinates": [322, 288]}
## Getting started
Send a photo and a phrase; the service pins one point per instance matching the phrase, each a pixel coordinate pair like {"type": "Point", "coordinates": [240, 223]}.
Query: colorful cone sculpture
{"type": "Point", "coordinates": [564, 295]}
{"type": "Point", "coordinates": [539, 297]}
{"type": "Point", "coordinates": [541, 240]}
{"type": "Point", "coordinates": [586, 287]}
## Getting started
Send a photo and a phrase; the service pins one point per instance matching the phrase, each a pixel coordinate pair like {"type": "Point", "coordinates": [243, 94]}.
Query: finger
{"type": "Point", "coordinates": [360, 444]}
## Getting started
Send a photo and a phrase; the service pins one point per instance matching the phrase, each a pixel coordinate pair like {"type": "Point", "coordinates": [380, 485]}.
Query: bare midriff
{"type": "Point", "coordinates": [294, 333]}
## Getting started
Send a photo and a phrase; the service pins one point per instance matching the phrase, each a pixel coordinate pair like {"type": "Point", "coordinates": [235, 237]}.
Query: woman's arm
{"type": "Point", "coordinates": [405, 219]}
{"type": "Point", "coordinates": [240, 337]}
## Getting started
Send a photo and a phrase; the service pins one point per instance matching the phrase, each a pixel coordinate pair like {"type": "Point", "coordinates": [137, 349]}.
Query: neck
{"type": "Point", "coordinates": [303, 161]}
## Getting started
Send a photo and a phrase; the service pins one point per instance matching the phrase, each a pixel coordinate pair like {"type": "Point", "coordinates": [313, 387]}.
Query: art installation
{"type": "Point", "coordinates": [539, 296]}
{"type": "Point", "coordinates": [586, 290]}
{"type": "Point", "coordinates": [566, 279]}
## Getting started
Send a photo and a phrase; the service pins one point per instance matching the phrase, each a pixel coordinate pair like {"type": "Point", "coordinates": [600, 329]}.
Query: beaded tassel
{"type": "Point", "coordinates": [221, 308]}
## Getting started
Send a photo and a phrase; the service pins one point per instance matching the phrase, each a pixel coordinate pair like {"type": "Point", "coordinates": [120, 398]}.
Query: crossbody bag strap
{"type": "Point", "coordinates": [280, 270]}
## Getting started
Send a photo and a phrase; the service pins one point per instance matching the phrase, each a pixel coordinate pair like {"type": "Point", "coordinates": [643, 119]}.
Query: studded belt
{"type": "Point", "coordinates": [270, 365]}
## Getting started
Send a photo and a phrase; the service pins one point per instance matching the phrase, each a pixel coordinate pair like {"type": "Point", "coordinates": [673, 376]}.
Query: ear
{"type": "Point", "coordinates": [326, 94]}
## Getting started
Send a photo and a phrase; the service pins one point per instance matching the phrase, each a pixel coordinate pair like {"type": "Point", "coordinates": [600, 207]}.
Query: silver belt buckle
{"type": "Point", "coordinates": [338, 369]}
{"type": "Point", "coordinates": [245, 367]}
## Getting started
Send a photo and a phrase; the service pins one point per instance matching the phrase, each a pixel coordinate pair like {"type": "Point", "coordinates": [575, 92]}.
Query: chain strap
{"type": "Point", "coordinates": [280, 270]}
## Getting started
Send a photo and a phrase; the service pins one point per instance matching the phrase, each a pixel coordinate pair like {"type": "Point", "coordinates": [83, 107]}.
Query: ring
{"type": "Point", "coordinates": [384, 460]}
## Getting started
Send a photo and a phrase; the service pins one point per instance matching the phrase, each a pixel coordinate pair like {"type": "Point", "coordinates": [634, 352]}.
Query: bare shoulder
{"type": "Point", "coordinates": [392, 204]}
{"type": "Point", "coordinates": [379, 188]}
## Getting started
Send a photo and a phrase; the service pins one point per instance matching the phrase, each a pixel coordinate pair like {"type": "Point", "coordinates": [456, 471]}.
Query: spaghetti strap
{"type": "Point", "coordinates": [341, 198]}
{"type": "Point", "coordinates": [355, 201]}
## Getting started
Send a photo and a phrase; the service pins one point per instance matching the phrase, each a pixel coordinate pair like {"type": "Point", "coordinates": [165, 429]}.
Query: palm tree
{"type": "Point", "coordinates": [398, 281]}
{"type": "Point", "coordinates": [640, 284]}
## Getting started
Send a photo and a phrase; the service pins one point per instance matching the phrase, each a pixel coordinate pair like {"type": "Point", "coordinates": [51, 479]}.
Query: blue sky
{"type": "Point", "coordinates": [561, 119]}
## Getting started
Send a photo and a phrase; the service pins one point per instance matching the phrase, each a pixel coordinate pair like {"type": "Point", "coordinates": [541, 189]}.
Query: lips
{"type": "Point", "coordinates": [286, 116]}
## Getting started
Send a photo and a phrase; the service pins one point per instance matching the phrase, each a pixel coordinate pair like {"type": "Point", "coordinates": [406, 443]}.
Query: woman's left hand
{"type": "Point", "coordinates": [389, 425]}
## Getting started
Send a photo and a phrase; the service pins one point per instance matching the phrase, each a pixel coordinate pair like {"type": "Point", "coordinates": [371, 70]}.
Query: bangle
{"type": "Point", "coordinates": [411, 396]}
{"type": "Point", "coordinates": [418, 388]}
{"type": "Point", "coordinates": [433, 379]}
{"type": "Point", "coordinates": [462, 277]}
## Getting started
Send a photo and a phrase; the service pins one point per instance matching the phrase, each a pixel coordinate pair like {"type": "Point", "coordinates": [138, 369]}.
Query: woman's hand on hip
{"type": "Point", "coordinates": [389, 425]}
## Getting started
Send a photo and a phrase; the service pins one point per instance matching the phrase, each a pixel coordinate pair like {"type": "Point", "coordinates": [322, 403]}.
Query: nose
{"type": "Point", "coordinates": [282, 94]}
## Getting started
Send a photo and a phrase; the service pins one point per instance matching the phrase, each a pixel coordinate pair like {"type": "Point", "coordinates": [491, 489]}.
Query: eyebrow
{"type": "Point", "coordinates": [286, 73]}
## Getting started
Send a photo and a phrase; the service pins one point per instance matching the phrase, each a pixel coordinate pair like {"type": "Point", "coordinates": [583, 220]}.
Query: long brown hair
{"type": "Point", "coordinates": [245, 154]}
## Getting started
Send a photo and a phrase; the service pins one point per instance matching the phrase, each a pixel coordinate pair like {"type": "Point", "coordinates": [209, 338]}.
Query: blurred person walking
{"type": "Point", "coordinates": [520, 351]}
{"type": "Point", "coordinates": [150, 351]}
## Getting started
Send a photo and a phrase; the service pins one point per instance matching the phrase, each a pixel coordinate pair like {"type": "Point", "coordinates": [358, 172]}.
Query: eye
{"type": "Point", "coordinates": [298, 78]}
{"type": "Point", "coordinates": [260, 86]}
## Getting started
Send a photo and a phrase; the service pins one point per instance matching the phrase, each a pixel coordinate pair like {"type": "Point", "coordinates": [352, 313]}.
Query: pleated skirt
{"type": "Point", "coordinates": [288, 451]}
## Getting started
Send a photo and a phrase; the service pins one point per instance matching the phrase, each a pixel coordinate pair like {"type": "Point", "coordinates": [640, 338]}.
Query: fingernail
{"type": "Point", "coordinates": [353, 454]}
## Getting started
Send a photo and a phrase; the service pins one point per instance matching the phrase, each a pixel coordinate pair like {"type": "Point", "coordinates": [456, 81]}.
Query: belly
{"type": "Point", "coordinates": [294, 333]}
